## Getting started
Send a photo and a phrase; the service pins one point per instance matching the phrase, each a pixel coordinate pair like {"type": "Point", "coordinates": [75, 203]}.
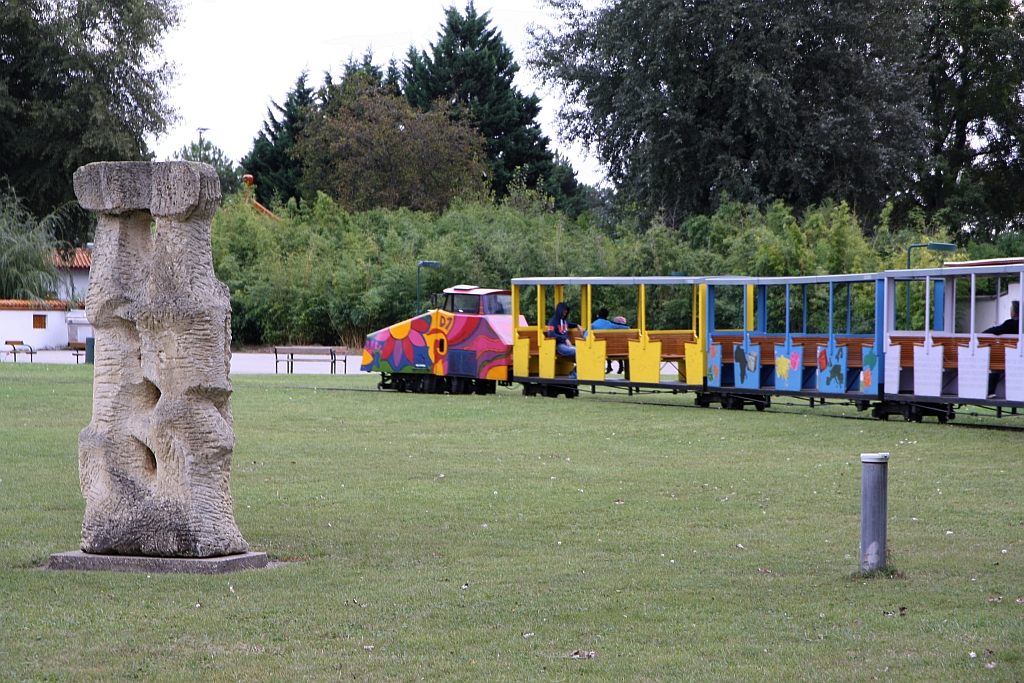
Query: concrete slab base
{"type": "Point", "coordinates": [78, 561]}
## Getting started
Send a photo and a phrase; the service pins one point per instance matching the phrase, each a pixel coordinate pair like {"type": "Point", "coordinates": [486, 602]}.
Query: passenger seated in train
{"type": "Point", "coordinates": [1010, 326]}
{"type": "Point", "coordinates": [602, 323]}
{"type": "Point", "coordinates": [558, 329]}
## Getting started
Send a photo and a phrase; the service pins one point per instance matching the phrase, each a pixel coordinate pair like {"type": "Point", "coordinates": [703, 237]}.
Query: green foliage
{"type": "Point", "coordinates": [208, 153]}
{"type": "Point", "coordinates": [275, 169]}
{"type": "Point", "coordinates": [682, 101]}
{"type": "Point", "coordinates": [471, 68]}
{"type": "Point", "coordinates": [974, 65]}
{"type": "Point", "coordinates": [366, 147]}
{"type": "Point", "coordinates": [325, 275]}
{"type": "Point", "coordinates": [79, 82]}
{"type": "Point", "coordinates": [26, 253]}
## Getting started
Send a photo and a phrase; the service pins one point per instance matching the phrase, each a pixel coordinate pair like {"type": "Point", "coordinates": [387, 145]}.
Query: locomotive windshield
{"type": "Point", "coordinates": [475, 304]}
{"type": "Point", "coordinates": [462, 303]}
{"type": "Point", "coordinates": [498, 304]}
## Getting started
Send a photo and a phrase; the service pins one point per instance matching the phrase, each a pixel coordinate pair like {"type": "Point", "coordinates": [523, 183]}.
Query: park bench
{"type": "Point", "coordinates": [18, 346]}
{"type": "Point", "coordinates": [77, 350]}
{"type": "Point", "coordinates": [289, 355]}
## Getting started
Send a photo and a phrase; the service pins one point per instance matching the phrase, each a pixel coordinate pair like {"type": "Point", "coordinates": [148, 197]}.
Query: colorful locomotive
{"type": "Point", "coordinates": [737, 341]}
{"type": "Point", "coordinates": [462, 346]}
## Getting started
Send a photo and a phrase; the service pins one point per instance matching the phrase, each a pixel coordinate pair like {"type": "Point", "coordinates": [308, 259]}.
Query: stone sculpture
{"type": "Point", "coordinates": [155, 461]}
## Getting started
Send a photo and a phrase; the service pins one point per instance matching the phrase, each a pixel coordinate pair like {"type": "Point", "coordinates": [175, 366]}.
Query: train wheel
{"type": "Point", "coordinates": [399, 383]}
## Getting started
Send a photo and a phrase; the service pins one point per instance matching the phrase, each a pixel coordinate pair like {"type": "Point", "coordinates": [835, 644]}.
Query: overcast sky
{"type": "Point", "coordinates": [234, 57]}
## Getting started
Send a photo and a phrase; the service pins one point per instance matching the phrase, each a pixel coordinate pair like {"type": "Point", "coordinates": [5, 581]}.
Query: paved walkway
{"type": "Point", "coordinates": [241, 363]}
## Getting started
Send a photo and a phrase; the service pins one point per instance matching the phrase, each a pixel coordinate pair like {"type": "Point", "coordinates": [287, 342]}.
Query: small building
{"type": "Point", "coordinates": [40, 324]}
{"type": "Point", "coordinates": [52, 324]}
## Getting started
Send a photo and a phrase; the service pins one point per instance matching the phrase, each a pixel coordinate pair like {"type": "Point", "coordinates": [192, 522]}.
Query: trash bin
{"type": "Point", "coordinates": [90, 349]}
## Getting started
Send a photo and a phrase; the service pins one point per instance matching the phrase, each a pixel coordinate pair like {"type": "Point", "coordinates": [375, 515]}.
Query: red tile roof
{"type": "Point", "coordinates": [81, 259]}
{"type": "Point", "coordinates": [36, 305]}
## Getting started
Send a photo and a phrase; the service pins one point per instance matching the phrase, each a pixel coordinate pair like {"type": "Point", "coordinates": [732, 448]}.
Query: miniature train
{"type": "Point", "coordinates": [904, 342]}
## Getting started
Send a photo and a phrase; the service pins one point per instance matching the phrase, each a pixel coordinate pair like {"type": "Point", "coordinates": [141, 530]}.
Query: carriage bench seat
{"type": "Point", "coordinates": [289, 355]}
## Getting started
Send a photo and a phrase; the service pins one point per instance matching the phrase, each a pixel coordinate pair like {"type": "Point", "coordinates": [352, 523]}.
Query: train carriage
{"type": "Point", "coordinates": [818, 337]}
{"type": "Point", "coordinates": [643, 348]}
{"type": "Point", "coordinates": [944, 354]}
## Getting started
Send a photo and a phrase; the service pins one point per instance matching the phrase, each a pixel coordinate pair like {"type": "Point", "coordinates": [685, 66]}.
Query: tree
{"type": "Point", "coordinates": [27, 270]}
{"type": "Point", "coordinates": [276, 171]}
{"type": "Point", "coordinates": [974, 65]}
{"type": "Point", "coordinates": [470, 68]}
{"type": "Point", "coordinates": [208, 153]}
{"type": "Point", "coordinates": [367, 147]}
{"type": "Point", "coordinates": [683, 101]}
{"type": "Point", "coordinates": [80, 81]}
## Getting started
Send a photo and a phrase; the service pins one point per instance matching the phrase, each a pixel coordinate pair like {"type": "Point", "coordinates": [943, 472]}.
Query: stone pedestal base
{"type": "Point", "coordinates": [79, 561]}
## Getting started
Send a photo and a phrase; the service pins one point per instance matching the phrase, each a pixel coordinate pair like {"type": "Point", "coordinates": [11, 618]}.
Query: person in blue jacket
{"type": "Point", "coordinates": [602, 323]}
{"type": "Point", "coordinates": [558, 329]}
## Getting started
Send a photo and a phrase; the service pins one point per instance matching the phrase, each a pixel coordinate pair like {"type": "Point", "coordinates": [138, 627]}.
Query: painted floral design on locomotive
{"type": "Point", "coordinates": [470, 339]}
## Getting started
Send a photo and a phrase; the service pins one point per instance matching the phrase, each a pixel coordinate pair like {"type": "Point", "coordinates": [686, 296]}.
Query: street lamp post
{"type": "Point", "coordinates": [934, 246]}
{"type": "Point", "coordinates": [422, 264]}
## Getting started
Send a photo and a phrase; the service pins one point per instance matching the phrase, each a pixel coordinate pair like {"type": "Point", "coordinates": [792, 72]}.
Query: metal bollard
{"type": "Point", "coordinates": [874, 502]}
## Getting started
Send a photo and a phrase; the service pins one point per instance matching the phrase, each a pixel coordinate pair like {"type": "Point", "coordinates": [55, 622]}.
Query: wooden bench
{"type": "Point", "coordinates": [289, 355]}
{"type": "Point", "coordinates": [949, 344]}
{"type": "Point", "coordinates": [616, 342]}
{"type": "Point", "coordinates": [810, 343]}
{"type": "Point", "coordinates": [77, 350]}
{"type": "Point", "coordinates": [997, 361]}
{"type": "Point", "coordinates": [18, 346]}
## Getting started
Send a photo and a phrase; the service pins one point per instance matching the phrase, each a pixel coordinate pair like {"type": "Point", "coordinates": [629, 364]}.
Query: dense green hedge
{"type": "Point", "coordinates": [321, 275]}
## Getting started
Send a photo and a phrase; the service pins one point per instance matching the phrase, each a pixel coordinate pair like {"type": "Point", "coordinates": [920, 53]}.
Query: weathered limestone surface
{"type": "Point", "coordinates": [155, 461]}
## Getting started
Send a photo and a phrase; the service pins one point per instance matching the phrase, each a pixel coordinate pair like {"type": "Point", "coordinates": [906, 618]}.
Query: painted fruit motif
{"type": "Point", "coordinates": [822, 360]}
{"type": "Point", "coordinates": [794, 361]}
{"type": "Point", "coordinates": [782, 367]}
{"type": "Point", "coordinates": [865, 379]}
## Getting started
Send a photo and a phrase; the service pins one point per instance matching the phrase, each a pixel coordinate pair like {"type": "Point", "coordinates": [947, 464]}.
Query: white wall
{"type": "Point", "coordinates": [17, 325]}
{"type": "Point", "coordinates": [73, 285]}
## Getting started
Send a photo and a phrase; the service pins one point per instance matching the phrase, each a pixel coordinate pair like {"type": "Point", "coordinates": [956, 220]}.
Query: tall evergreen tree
{"type": "Point", "coordinates": [275, 169]}
{"type": "Point", "coordinates": [471, 69]}
{"type": "Point", "coordinates": [209, 153]}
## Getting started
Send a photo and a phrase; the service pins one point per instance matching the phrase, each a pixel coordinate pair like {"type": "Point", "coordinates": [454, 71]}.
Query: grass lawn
{"type": "Point", "coordinates": [476, 538]}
